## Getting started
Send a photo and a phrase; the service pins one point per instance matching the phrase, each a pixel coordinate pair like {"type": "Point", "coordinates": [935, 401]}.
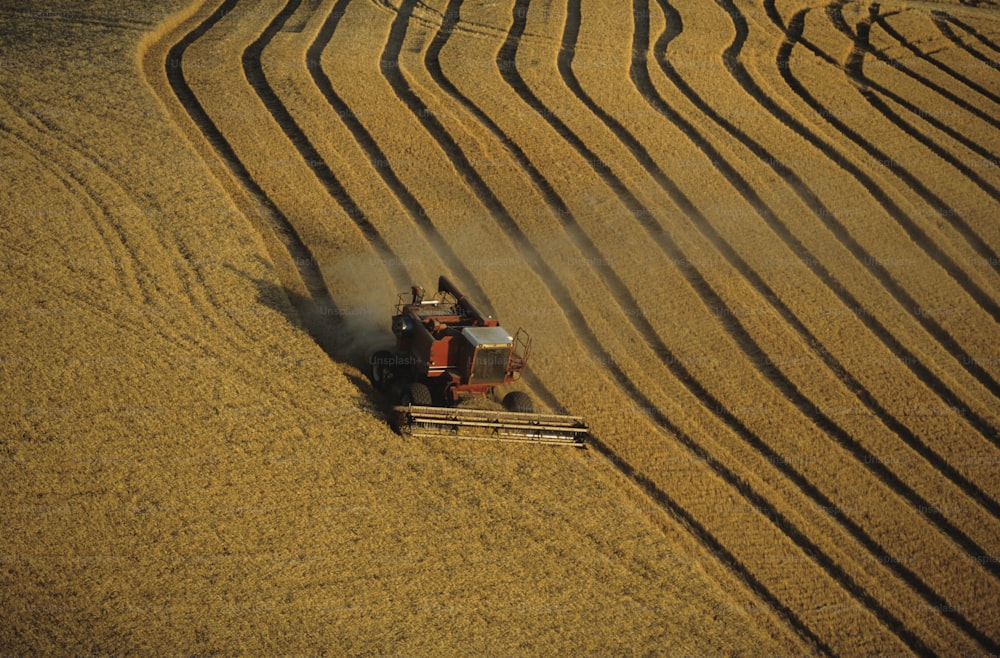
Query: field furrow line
{"type": "Point", "coordinates": [863, 257]}
{"type": "Point", "coordinates": [939, 89]}
{"type": "Point", "coordinates": [882, 20]}
{"type": "Point", "coordinates": [872, 95]}
{"type": "Point", "coordinates": [162, 62]}
{"type": "Point", "coordinates": [298, 266]}
{"type": "Point", "coordinates": [930, 117]}
{"type": "Point", "coordinates": [301, 74]}
{"type": "Point", "coordinates": [944, 26]}
{"type": "Point", "coordinates": [793, 35]}
{"type": "Point", "coordinates": [392, 71]}
{"type": "Point", "coordinates": [644, 84]}
{"type": "Point", "coordinates": [254, 72]}
{"type": "Point", "coordinates": [917, 234]}
{"type": "Point", "coordinates": [377, 157]}
{"type": "Point", "coordinates": [890, 422]}
{"type": "Point", "coordinates": [558, 206]}
{"type": "Point", "coordinates": [869, 263]}
{"type": "Point", "coordinates": [619, 291]}
{"type": "Point", "coordinates": [568, 47]}
{"type": "Point", "coordinates": [800, 251]}
{"type": "Point", "coordinates": [695, 280]}
{"type": "Point", "coordinates": [578, 321]}
{"type": "Point", "coordinates": [971, 31]}
{"type": "Point", "coordinates": [854, 69]}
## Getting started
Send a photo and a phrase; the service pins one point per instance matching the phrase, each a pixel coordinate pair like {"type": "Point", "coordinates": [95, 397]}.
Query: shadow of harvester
{"type": "Point", "coordinates": [326, 324]}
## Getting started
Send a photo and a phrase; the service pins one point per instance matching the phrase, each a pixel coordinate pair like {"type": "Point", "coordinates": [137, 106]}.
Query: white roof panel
{"type": "Point", "coordinates": [487, 335]}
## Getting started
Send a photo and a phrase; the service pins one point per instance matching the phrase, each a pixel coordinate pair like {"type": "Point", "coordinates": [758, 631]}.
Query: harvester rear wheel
{"type": "Point", "coordinates": [518, 401]}
{"type": "Point", "coordinates": [417, 394]}
{"type": "Point", "coordinates": [381, 369]}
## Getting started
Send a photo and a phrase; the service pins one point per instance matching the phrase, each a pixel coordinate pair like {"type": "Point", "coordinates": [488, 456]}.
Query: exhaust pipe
{"type": "Point", "coordinates": [445, 285]}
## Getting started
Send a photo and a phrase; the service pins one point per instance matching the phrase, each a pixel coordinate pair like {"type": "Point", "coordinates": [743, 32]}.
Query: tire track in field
{"type": "Point", "coordinates": [135, 278]}
{"type": "Point", "coordinates": [173, 252]}
{"type": "Point", "coordinates": [577, 320]}
{"type": "Point", "coordinates": [854, 69]}
{"type": "Point", "coordinates": [81, 18]}
{"type": "Point", "coordinates": [861, 255]}
{"type": "Point", "coordinates": [319, 306]}
{"type": "Point", "coordinates": [883, 21]}
{"type": "Point", "coordinates": [254, 71]}
{"type": "Point", "coordinates": [645, 87]}
{"type": "Point", "coordinates": [734, 327]}
{"type": "Point", "coordinates": [513, 78]}
{"type": "Point", "coordinates": [110, 234]}
{"type": "Point", "coordinates": [132, 323]}
{"type": "Point", "coordinates": [378, 159]}
{"type": "Point", "coordinates": [913, 230]}
{"type": "Point", "coordinates": [941, 21]}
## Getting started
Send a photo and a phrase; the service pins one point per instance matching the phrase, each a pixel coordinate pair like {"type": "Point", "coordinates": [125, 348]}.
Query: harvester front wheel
{"type": "Point", "coordinates": [518, 401]}
{"type": "Point", "coordinates": [417, 394]}
{"type": "Point", "coordinates": [381, 369]}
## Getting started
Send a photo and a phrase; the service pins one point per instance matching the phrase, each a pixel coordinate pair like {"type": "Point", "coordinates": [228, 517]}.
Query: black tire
{"type": "Point", "coordinates": [416, 394]}
{"type": "Point", "coordinates": [518, 401]}
{"type": "Point", "coordinates": [380, 369]}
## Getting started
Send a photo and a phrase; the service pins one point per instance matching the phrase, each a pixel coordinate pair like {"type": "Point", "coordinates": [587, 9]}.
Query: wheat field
{"type": "Point", "coordinates": [754, 241]}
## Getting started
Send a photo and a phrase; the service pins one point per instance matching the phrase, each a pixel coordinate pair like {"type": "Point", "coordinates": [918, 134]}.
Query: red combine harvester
{"type": "Point", "coordinates": [448, 353]}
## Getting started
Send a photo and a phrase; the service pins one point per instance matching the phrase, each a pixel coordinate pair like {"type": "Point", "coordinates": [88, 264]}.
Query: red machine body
{"type": "Point", "coordinates": [450, 346]}
{"type": "Point", "coordinates": [447, 350]}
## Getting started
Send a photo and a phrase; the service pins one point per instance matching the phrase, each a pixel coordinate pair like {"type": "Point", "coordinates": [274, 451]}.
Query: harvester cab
{"type": "Point", "coordinates": [449, 361]}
